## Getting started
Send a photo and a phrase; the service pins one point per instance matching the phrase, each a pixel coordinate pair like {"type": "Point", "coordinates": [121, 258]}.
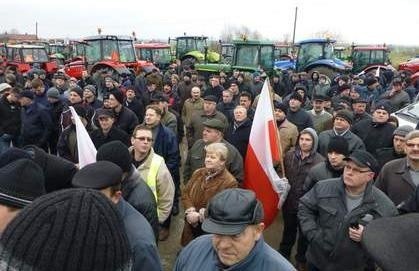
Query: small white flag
{"type": "Point", "coordinates": [85, 147]}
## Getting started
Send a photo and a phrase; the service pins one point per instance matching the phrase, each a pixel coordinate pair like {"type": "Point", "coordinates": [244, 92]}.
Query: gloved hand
{"type": "Point", "coordinates": [192, 218]}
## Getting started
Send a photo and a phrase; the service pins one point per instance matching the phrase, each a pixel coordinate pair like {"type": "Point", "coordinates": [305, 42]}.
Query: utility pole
{"type": "Point", "coordinates": [36, 30]}
{"type": "Point", "coordinates": [295, 25]}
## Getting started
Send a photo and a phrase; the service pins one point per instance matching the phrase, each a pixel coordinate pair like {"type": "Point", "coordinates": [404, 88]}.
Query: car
{"type": "Point", "coordinates": [408, 115]}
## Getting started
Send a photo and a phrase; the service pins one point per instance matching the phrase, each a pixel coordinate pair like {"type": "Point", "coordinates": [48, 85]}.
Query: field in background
{"type": "Point", "coordinates": [401, 54]}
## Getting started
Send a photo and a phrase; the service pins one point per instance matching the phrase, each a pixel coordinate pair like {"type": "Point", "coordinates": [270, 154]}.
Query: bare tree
{"type": "Point", "coordinates": [231, 32]}
{"type": "Point", "coordinates": [328, 34]}
{"type": "Point", "coordinates": [13, 31]}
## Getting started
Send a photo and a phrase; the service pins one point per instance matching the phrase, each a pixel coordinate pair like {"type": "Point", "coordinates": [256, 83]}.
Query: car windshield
{"type": "Point", "coordinates": [266, 57]}
{"type": "Point", "coordinates": [247, 56]}
{"type": "Point", "coordinates": [57, 49]}
{"type": "Point", "coordinates": [310, 52]}
{"type": "Point", "coordinates": [412, 109]}
{"type": "Point", "coordinates": [161, 55]}
{"type": "Point", "coordinates": [32, 55]}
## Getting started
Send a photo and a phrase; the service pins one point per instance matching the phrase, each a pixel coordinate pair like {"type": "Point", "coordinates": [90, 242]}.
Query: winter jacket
{"type": "Point", "coordinates": [99, 138]}
{"type": "Point", "coordinates": [126, 120]}
{"type": "Point", "coordinates": [354, 142]}
{"type": "Point", "coordinates": [197, 193]}
{"type": "Point", "coordinates": [145, 254]}
{"type": "Point", "coordinates": [296, 170]}
{"type": "Point", "coordinates": [385, 155]}
{"type": "Point", "coordinates": [195, 127]}
{"type": "Point", "coordinates": [190, 107]}
{"type": "Point", "coordinates": [288, 134]}
{"type": "Point", "coordinates": [395, 180]}
{"type": "Point", "coordinates": [36, 125]}
{"type": "Point", "coordinates": [201, 255]}
{"type": "Point", "coordinates": [321, 171]}
{"type": "Point", "coordinates": [58, 172]}
{"type": "Point", "coordinates": [10, 117]}
{"type": "Point", "coordinates": [140, 196]}
{"type": "Point", "coordinates": [165, 187]}
{"type": "Point", "coordinates": [227, 109]}
{"type": "Point", "coordinates": [325, 222]}
{"type": "Point", "coordinates": [137, 107]}
{"type": "Point", "coordinates": [322, 121]}
{"type": "Point", "coordinates": [411, 205]}
{"type": "Point", "coordinates": [196, 157]}
{"type": "Point", "coordinates": [238, 135]}
{"type": "Point", "coordinates": [301, 119]}
{"type": "Point", "coordinates": [358, 118]}
{"type": "Point", "coordinates": [374, 135]}
{"type": "Point", "coordinates": [67, 145]}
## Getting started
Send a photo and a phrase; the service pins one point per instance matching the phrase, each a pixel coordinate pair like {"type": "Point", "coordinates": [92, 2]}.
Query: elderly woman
{"type": "Point", "coordinates": [203, 185]}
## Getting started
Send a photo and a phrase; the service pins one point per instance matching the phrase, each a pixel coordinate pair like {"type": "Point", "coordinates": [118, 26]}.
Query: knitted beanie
{"type": "Point", "coordinates": [70, 229]}
{"type": "Point", "coordinates": [339, 145]}
{"type": "Point", "coordinates": [346, 115]}
{"type": "Point", "coordinates": [117, 153]}
{"type": "Point", "coordinates": [21, 182]}
{"type": "Point", "coordinates": [119, 96]}
{"type": "Point", "coordinates": [77, 90]}
{"type": "Point", "coordinates": [12, 154]}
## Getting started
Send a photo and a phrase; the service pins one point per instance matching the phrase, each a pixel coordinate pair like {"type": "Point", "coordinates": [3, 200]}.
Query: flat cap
{"type": "Point", "coordinates": [99, 175]}
{"type": "Point", "coordinates": [215, 124]}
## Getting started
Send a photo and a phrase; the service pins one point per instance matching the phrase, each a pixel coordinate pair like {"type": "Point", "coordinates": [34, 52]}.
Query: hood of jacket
{"type": "Point", "coordinates": [313, 135]}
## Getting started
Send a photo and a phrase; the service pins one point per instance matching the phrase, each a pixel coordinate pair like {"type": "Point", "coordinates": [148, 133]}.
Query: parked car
{"type": "Point", "coordinates": [408, 115]}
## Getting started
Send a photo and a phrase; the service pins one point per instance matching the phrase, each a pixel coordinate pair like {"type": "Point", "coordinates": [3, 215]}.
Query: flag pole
{"type": "Point", "coordinates": [278, 143]}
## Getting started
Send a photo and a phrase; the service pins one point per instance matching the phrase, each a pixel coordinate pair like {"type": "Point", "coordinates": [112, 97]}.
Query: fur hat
{"type": "Point", "coordinates": [339, 145]}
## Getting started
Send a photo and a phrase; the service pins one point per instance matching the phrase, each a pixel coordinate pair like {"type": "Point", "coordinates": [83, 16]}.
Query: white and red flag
{"type": "Point", "coordinates": [262, 151]}
{"type": "Point", "coordinates": [85, 147]}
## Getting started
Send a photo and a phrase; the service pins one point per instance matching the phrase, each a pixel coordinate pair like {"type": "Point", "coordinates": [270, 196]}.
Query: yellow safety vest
{"type": "Point", "coordinates": [151, 180]}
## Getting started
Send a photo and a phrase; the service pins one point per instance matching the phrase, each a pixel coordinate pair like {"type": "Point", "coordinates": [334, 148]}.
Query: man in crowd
{"type": "Point", "coordinates": [106, 177]}
{"type": "Point", "coordinates": [288, 132]}
{"type": "Point", "coordinates": [235, 219]}
{"type": "Point", "coordinates": [296, 114]}
{"type": "Point", "coordinates": [399, 178]}
{"type": "Point", "coordinates": [385, 155]}
{"type": "Point", "coordinates": [334, 212]}
{"type": "Point", "coordinates": [238, 132]}
{"type": "Point", "coordinates": [322, 119]}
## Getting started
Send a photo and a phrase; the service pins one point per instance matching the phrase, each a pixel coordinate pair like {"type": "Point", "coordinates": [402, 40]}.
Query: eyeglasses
{"type": "Point", "coordinates": [143, 138]}
{"type": "Point", "coordinates": [355, 169]}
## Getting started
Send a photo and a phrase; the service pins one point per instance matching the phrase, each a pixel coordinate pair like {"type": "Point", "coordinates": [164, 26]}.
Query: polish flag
{"type": "Point", "coordinates": [85, 147]}
{"type": "Point", "coordinates": [262, 151]}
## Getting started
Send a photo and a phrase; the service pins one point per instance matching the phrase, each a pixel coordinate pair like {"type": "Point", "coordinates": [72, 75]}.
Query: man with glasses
{"type": "Point", "coordinates": [334, 212]}
{"type": "Point", "coordinates": [154, 171]}
{"type": "Point", "coordinates": [399, 178]}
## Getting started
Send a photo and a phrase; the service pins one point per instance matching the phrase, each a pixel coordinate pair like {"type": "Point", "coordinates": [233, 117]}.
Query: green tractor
{"type": "Point", "coordinates": [248, 56]}
{"type": "Point", "coordinates": [193, 49]}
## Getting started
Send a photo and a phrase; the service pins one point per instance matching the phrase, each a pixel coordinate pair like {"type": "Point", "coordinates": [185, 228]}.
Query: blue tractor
{"type": "Point", "coordinates": [315, 55]}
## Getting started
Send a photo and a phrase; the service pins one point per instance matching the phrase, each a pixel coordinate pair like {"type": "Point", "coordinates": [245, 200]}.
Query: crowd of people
{"type": "Point", "coordinates": [176, 141]}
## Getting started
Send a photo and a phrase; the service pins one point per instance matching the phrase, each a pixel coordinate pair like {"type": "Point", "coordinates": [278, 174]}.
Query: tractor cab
{"type": "Point", "coordinates": [193, 49]}
{"type": "Point", "coordinates": [28, 56]}
{"type": "Point", "coordinates": [227, 52]}
{"type": "Point", "coordinates": [283, 51]}
{"type": "Point", "coordinates": [157, 53]}
{"type": "Point", "coordinates": [253, 55]}
{"type": "Point", "coordinates": [366, 58]}
{"type": "Point", "coordinates": [318, 54]}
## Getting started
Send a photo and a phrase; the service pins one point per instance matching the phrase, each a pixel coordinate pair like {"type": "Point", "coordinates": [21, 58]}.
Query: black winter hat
{"type": "Point", "coordinates": [21, 182]}
{"type": "Point", "coordinates": [117, 153]}
{"type": "Point", "coordinates": [392, 242]}
{"type": "Point", "coordinates": [302, 87]}
{"type": "Point", "coordinates": [280, 106]}
{"type": "Point", "coordinates": [346, 115]}
{"type": "Point", "coordinates": [338, 144]}
{"type": "Point", "coordinates": [12, 154]}
{"type": "Point", "coordinates": [119, 96]}
{"type": "Point", "coordinates": [27, 93]}
{"type": "Point", "coordinates": [71, 229]}
{"type": "Point", "coordinates": [58, 171]}
{"type": "Point", "coordinates": [297, 97]}
{"type": "Point", "coordinates": [77, 90]}
{"type": "Point", "coordinates": [98, 175]}
{"type": "Point", "coordinates": [383, 105]}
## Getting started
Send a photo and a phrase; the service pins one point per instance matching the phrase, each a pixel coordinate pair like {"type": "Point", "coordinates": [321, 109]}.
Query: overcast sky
{"type": "Point", "coordinates": [360, 21]}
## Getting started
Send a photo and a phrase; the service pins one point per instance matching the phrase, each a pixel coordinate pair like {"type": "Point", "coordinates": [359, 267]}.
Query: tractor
{"type": "Point", "coordinates": [315, 55]}
{"type": "Point", "coordinates": [157, 53]}
{"type": "Point", "coordinates": [248, 56]}
{"type": "Point", "coordinates": [410, 67]}
{"type": "Point", "coordinates": [226, 52]}
{"type": "Point", "coordinates": [28, 56]}
{"type": "Point", "coordinates": [113, 55]}
{"type": "Point", "coordinates": [193, 49]}
{"type": "Point", "coordinates": [369, 58]}
{"type": "Point", "coordinates": [283, 51]}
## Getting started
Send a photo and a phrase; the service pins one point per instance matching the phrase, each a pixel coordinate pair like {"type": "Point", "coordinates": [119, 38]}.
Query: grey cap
{"type": "Point", "coordinates": [215, 124]}
{"type": "Point", "coordinates": [4, 86]}
{"type": "Point", "coordinates": [403, 130]}
{"type": "Point", "coordinates": [53, 93]}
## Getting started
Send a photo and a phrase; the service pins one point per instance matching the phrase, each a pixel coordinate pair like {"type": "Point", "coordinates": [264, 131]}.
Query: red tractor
{"type": "Point", "coordinates": [410, 67]}
{"type": "Point", "coordinates": [157, 53]}
{"type": "Point", "coordinates": [114, 55]}
{"type": "Point", "coordinates": [28, 56]}
{"type": "Point", "coordinates": [369, 58]}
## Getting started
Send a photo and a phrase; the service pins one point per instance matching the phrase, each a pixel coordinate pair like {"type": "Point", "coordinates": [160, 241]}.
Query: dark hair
{"type": "Point", "coordinates": [246, 94]}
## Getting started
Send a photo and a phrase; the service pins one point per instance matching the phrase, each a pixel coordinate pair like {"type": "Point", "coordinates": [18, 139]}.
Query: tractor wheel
{"type": "Point", "coordinates": [322, 70]}
{"type": "Point", "coordinates": [188, 62]}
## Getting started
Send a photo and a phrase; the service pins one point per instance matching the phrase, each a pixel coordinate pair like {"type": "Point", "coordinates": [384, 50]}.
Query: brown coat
{"type": "Point", "coordinates": [288, 134]}
{"type": "Point", "coordinates": [198, 192]}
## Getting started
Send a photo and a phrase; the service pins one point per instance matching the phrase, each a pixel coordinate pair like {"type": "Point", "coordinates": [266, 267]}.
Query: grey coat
{"type": "Point", "coordinates": [325, 222]}
{"type": "Point", "coordinates": [354, 142]}
{"type": "Point", "coordinates": [395, 181]}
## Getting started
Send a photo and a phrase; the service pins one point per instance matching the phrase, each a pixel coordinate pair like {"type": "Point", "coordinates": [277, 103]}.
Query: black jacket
{"type": "Point", "coordinates": [325, 222]}
{"type": "Point", "coordinates": [115, 133]}
{"type": "Point", "coordinates": [238, 136]}
{"type": "Point", "coordinates": [10, 121]}
{"type": "Point", "coordinates": [321, 171]}
{"type": "Point", "coordinates": [301, 119]}
{"type": "Point", "coordinates": [126, 120]}
{"type": "Point", "coordinates": [140, 196]}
